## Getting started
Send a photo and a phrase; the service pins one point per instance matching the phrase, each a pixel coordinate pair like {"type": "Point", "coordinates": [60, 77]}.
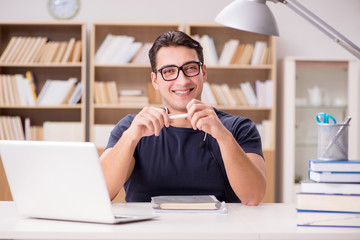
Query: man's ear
{"type": "Point", "coordinates": [154, 81]}
{"type": "Point", "coordinates": [204, 73]}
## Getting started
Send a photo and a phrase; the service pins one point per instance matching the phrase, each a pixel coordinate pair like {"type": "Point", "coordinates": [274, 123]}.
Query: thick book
{"type": "Point", "coordinates": [334, 166]}
{"type": "Point", "coordinates": [328, 219]}
{"type": "Point", "coordinates": [324, 187]}
{"type": "Point", "coordinates": [353, 177]}
{"type": "Point", "coordinates": [191, 202]}
{"type": "Point", "coordinates": [328, 202]}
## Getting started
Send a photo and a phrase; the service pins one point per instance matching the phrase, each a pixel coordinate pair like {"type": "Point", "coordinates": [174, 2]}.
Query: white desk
{"type": "Point", "coordinates": [267, 221]}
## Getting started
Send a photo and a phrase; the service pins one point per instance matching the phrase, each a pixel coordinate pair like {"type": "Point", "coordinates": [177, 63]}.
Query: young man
{"type": "Point", "coordinates": [207, 152]}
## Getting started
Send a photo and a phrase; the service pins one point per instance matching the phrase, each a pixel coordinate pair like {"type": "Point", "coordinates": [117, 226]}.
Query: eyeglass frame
{"type": "Point", "coordinates": [200, 64]}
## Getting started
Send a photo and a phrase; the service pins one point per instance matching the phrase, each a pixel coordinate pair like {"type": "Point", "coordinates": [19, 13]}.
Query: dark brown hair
{"type": "Point", "coordinates": [174, 38]}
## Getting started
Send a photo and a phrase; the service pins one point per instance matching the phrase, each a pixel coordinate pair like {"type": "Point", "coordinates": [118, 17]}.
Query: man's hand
{"type": "Point", "coordinates": [203, 117]}
{"type": "Point", "coordinates": [149, 121]}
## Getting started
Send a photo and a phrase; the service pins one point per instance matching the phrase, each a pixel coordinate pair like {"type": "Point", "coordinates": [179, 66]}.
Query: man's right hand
{"type": "Point", "coordinates": [149, 121]}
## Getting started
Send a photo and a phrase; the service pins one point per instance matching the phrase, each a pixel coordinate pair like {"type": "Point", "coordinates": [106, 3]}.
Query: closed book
{"type": "Point", "coordinates": [191, 202]}
{"type": "Point", "coordinates": [324, 187]}
{"type": "Point", "coordinates": [327, 219]}
{"type": "Point", "coordinates": [334, 166]}
{"type": "Point", "coordinates": [335, 176]}
{"type": "Point", "coordinates": [102, 134]}
{"type": "Point", "coordinates": [328, 202]}
{"type": "Point", "coordinates": [64, 131]}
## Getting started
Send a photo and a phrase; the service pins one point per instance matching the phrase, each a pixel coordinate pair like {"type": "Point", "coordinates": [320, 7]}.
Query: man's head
{"type": "Point", "coordinates": [178, 72]}
{"type": "Point", "coordinates": [174, 38]}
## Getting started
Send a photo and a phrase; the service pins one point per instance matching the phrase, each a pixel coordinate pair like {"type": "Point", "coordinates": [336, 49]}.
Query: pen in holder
{"type": "Point", "coordinates": [333, 140]}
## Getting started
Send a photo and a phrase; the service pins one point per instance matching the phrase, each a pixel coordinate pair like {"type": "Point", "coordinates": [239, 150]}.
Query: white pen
{"type": "Point", "coordinates": [178, 116]}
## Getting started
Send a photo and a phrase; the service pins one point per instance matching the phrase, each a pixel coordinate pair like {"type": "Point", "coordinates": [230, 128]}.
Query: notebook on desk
{"type": "Point", "coordinates": [59, 180]}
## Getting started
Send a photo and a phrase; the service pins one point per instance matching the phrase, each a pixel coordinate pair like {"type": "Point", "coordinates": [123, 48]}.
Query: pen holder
{"type": "Point", "coordinates": [333, 141]}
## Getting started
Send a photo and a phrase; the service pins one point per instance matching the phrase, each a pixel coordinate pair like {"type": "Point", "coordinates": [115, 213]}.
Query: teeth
{"type": "Point", "coordinates": [186, 91]}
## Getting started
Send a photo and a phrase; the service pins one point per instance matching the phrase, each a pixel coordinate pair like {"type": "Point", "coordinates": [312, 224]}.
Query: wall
{"type": "Point", "coordinates": [297, 37]}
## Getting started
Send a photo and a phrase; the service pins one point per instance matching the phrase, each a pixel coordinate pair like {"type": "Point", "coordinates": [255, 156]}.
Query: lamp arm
{"type": "Point", "coordinates": [322, 26]}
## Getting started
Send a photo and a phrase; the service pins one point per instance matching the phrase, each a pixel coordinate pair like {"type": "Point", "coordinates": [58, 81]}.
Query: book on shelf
{"type": "Point", "coordinates": [334, 176]}
{"type": "Point", "coordinates": [7, 90]}
{"type": "Point", "coordinates": [246, 55]}
{"type": "Point", "coordinates": [15, 50]}
{"type": "Point", "coordinates": [131, 92]}
{"type": "Point", "coordinates": [117, 49]}
{"type": "Point", "coordinates": [35, 133]}
{"type": "Point", "coordinates": [22, 50]}
{"type": "Point", "coordinates": [102, 134]}
{"type": "Point", "coordinates": [241, 96]}
{"type": "Point", "coordinates": [11, 128]}
{"type": "Point", "coordinates": [334, 166]}
{"type": "Point", "coordinates": [68, 50]}
{"type": "Point", "coordinates": [328, 202]}
{"type": "Point", "coordinates": [193, 202]}
{"type": "Point", "coordinates": [112, 92]}
{"type": "Point", "coordinates": [56, 92]}
{"type": "Point", "coordinates": [264, 93]}
{"type": "Point", "coordinates": [207, 95]}
{"type": "Point", "coordinates": [143, 100]}
{"type": "Point", "coordinates": [264, 129]}
{"type": "Point", "coordinates": [142, 56]}
{"type": "Point", "coordinates": [258, 53]}
{"type": "Point", "coordinates": [60, 52]}
{"type": "Point", "coordinates": [228, 52]}
{"type": "Point", "coordinates": [2, 98]}
{"type": "Point", "coordinates": [209, 50]}
{"type": "Point", "coordinates": [30, 77]}
{"type": "Point", "coordinates": [237, 54]}
{"type": "Point", "coordinates": [249, 93]}
{"type": "Point", "coordinates": [219, 94]}
{"type": "Point", "coordinates": [106, 92]}
{"type": "Point", "coordinates": [37, 51]}
{"type": "Point", "coordinates": [76, 94]}
{"type": "Point", "coordinates": [9, 47]}
{"type": "Point", "coordinates": [76, 53]}
{"type": "Point", "coordinates": [327, 219]}
{"type": "Point", "coordinates": [228, 94]}
{"type": "Point", "coordinates": [309, 186]}
{"type": "Point", "coordinates": [63, 131]}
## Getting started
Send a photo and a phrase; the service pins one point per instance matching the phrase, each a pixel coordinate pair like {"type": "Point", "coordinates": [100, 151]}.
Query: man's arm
{"type": "Point", "coordinates": [246, 171]}
{"type": "Point", "coordinates": [118, 162]}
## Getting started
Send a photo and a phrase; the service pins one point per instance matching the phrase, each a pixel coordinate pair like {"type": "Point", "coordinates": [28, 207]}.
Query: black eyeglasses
{"type": "Point", "coordinates": [171, 72]}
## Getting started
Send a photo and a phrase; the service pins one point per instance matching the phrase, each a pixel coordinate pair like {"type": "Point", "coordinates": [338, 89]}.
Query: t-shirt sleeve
{"type": "Point", "coordinates": [119, 129]}
{"type": "Point", "coordinates": [247, 135]}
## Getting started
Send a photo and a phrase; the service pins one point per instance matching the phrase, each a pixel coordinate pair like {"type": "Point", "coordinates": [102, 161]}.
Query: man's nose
{"type": "Point", "coordinates": [182, 77]}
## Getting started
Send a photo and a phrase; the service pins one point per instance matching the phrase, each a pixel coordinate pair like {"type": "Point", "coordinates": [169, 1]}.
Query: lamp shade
{"type": "Point", "coordinates": [249, 15]}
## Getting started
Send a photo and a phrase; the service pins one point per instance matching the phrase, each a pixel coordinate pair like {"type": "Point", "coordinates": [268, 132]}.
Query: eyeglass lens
{"type": "Point", "coordinates": [172, 72]}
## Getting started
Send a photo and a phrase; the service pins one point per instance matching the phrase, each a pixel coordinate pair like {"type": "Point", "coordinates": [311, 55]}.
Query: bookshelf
{"type": "Point", "coordinates": [233, 74]}
{"type": "Point", "coordinates": [136, 76]}
{"type": "Point", "coordinates": [337, 80]}
{"type": "Point", "coordinates": [126, 75]}
{"type": "Point", "coordinates": [54, 32]}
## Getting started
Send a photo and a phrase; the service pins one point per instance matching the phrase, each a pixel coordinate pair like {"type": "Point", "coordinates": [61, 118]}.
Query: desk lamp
{"type": "Point", "coordinates": [255, 16]}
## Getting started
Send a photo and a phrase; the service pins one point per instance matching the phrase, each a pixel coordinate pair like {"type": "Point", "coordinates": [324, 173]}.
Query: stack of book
{"type": "Point", "coordinates": [106, 92]}
{"type": "Point", "coordinates": [234, 52]}
{"type": "Point", "coordinates": [244, 95]}
{"type": "Point", "coordinates": [120, 49]}
{"type": "Point", "coordinates": [21, 90]}
{"type": "Point", "coordinates": [24, 50]}
{"type": "Point", "coordinates": [331, 195]}
{"type": "Point", "coordinates": [11, 128]}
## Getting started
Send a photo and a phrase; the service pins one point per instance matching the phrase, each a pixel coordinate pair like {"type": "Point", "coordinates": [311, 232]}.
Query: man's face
{"type": "Point", "coordinates": [177, 93]}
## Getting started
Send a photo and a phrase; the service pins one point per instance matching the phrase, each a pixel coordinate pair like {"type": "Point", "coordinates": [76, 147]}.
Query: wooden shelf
{"type": "Point", "coordinates": [54, 31]}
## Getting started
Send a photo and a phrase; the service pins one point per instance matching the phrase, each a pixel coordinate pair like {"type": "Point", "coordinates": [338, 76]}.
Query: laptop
{"type": "Point", "coordinates": [59, 180]}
